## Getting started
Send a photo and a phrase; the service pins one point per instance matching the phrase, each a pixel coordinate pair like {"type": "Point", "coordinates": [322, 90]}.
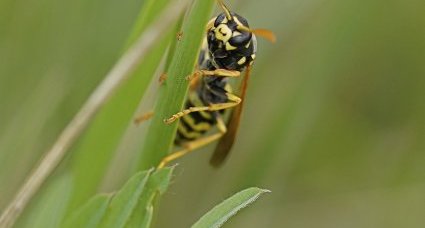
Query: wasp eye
{"type": "Point", "coordinates": [240, 39]}
{"type": "Point", "coordinates": [221, 18]}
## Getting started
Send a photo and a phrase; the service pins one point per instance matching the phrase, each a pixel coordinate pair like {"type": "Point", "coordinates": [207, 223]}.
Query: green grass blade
{"type": "Point", "coordinates": [173, 44]}
{"type": "Point", "coordinates": [147, 221]}
{"type": "Point", "coordinates": [160, 138]}
{"type": "Point", "coordinates": [222, 212]}
{"type": "Point", "coordinates": [101, 139]}
{"type": "Point", "coordinates": [51, 208]}
{"type": "Point", "coordinates": [126, 200]}
{"type": "Point", "coordinates": [97, 144]}
{"type": "Point", "coordinates": [151, 9]}
{"type": "Point", "coordinates": [132, 206]}
{"type": "Point", "coordinates": [156, 185]}
{"type": "Point", "coordinates": [91, 214]}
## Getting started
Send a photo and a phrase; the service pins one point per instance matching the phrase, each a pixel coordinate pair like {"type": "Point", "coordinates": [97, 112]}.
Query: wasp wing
{"type": "Point", "coordinates": [226, 142]}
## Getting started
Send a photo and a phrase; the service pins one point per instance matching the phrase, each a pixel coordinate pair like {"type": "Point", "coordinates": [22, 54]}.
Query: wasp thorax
{"type": "Point", "coordinates": [230, 43]}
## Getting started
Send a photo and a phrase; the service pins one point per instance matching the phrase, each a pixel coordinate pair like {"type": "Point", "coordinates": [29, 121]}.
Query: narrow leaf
{"type": "Point", "coordinates": [173, 92]}
{"type": "Point", "coordinates": [51, 209]}
{"type": "Point", "coordinates": [147, 221]}
{"type": "Point", "coordinates": [156, 185]}
{"type": "Point", "coordinates": [132, 206]}
{"type": "Point", "coordinates": [150, 10]}
{"type": "Point", "coordinates": [222, 212]}
{"type": "Point", "coordinates": [91, 214]}
{"type": "Point", "coordinates": [126, 200]}
{"type": "Point", "coordinates": [99, 142]}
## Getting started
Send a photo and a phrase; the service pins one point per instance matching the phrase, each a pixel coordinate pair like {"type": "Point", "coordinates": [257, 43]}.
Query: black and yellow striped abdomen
{"type": "Point", "coordinates": [196, 124]}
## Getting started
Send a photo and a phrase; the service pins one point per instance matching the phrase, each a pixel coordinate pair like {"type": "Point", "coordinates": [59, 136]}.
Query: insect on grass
{"type": "Point", "coordinates": [228, 49]}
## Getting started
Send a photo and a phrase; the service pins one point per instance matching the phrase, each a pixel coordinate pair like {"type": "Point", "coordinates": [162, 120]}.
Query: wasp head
{"type": "Point", "coordinates": [231, 44]}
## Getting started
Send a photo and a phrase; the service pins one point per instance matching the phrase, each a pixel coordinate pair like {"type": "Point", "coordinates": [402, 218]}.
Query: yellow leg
{"type": "Point", "coordinates": [235, 100]}
{"type": "Point", "coordinates": [162, 78]}
{"type": "Point", "coordinates": [179, 36]}
{"type": "Point", "coordinates": [143, 117]}
{"type": "Point", "coordinates": [216, 73]}
{"type": "Point", "coordinates": [191, 146]}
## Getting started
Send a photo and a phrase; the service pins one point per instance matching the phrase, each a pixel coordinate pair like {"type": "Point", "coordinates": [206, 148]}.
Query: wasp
{"type": "Point", "coordinates": [228, 49]}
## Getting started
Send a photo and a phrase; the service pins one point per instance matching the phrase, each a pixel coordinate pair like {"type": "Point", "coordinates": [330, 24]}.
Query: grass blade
{"type": "Point", "coordinates": [222, 212]}
{"type": "Point", "coordinates": [157, 185]}
{"type": "Point", "coordinates": [126, 200]}
{"type": "Point", "coordinates": [51, 208]}
{"type": "Point", "coordinates": [91, 214]}
{"type": "Point", "coordinates": [121, 71]}
{"type": "Point", "coordinates": [151, 9]}
{"type": "Point", "coordinates": [103, 136]}
{"type": "Point", "coordinates": [132, 206]}
{"type": "Point", "coordinates": [160, 138]}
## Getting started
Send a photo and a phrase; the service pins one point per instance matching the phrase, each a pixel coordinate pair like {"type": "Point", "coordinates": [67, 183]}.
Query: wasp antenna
{"type": "Point", "coordinates": [225, 9]}
{"type": "Point", "coordinates": [243, 28]}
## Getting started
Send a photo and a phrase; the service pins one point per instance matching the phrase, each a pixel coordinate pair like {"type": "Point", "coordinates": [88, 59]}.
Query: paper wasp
{"type": "Point", "coordinates": [229, 48]}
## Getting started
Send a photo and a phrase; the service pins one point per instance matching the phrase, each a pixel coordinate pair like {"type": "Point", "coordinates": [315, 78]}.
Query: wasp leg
{"type": "Point", "coordinates": [191, 146]}
{"type": "Point", "coordinates": [234, 100]}
{"type": "Point", "coordinates": [216, 73]}
{"type": "Point", "coordinates": [143, 117]}
{"type": "Point", "coordinates": [162, 78]}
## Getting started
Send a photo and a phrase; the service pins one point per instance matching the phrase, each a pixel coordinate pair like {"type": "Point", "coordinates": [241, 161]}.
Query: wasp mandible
{"type": "Point", "coordinates": [228, 49]}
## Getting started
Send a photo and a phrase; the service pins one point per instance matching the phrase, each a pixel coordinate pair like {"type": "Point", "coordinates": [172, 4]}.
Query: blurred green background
{"type": "Point", "coordinates": [334, 123]}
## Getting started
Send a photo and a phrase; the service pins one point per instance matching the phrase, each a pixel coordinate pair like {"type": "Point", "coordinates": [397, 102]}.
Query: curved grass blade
{"type": "Point", "coordinates": [222, 212]}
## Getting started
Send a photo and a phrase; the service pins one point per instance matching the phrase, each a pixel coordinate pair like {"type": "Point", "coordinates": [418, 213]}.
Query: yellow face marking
{"type": "Point", "coordinates": [242, 60]}
{"type": "Point", "coordinates": [253, 56]}
{"type": "Point", "coordinates": [223, 33]}
{"type": "Point", "coordinates": [203, 126]}
{"type": "Point", "coordinates": [229, 47]}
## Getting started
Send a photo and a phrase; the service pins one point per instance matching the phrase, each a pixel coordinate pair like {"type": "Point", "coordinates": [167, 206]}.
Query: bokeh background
{"type": "Point", "coordinates": [334, 123]}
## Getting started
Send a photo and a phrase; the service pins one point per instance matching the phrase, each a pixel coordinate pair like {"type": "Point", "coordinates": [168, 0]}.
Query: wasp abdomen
{"type": "Point", "coordinates": [196, 124]}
